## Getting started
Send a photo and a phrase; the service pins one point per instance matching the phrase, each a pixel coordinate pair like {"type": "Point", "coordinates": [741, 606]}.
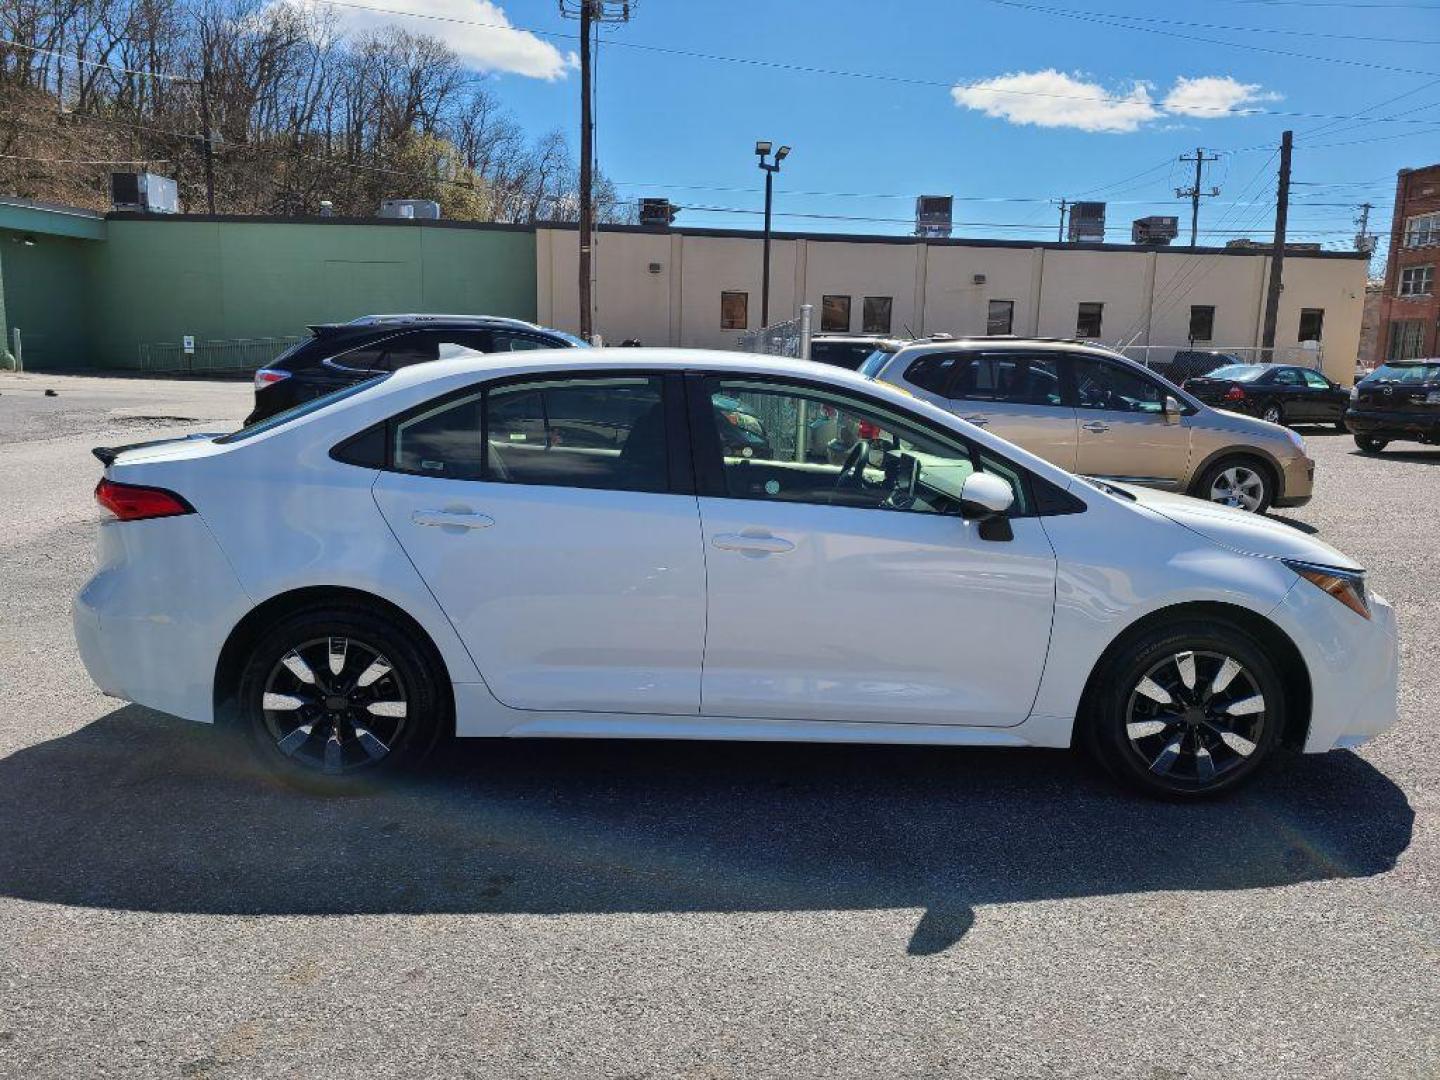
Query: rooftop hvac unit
{"type": "Point", "coordinates": [1157, 229]}
{"type": "Point", "coordinates": [1087, 223]}
{"type": "Point", "coordinates": [657, 213]}
{"type": "Point", "coordinates": [144, 192]}
{"type": "Point", "coordinates": [410, 209]}
{"type": "Point", "coordinates": [934, 215]}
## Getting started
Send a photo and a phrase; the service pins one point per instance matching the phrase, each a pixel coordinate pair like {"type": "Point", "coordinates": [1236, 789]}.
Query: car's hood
{"type": "Point", "coordinates": [1251, 534]}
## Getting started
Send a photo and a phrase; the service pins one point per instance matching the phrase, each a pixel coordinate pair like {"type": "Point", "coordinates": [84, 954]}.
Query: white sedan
{"type": "Point", "coordinates": [657, 544]}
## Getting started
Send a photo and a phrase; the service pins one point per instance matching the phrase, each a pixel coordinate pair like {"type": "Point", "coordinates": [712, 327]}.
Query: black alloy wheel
{"type": "Point", "coordinates": [1368, 444]}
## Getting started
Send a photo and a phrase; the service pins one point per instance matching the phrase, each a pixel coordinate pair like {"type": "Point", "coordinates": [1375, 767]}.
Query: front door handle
{"type": "Point", "coordinates": [753, 543]}
{"type": "Point", "coordinates": [979, 419]}
{"type": "Point", "coordinates": [1096, 426]}
{"type": "Point", "coordinates": [453, 519]}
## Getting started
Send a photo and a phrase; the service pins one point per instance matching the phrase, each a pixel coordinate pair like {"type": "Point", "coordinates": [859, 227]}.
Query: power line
{"type": "Point", "coordinates": [91, 63]}
{"type": "Point", "coordinates": [76, 161]}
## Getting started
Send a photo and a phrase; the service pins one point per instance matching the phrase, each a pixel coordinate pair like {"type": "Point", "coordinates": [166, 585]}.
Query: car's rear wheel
{"type": "Point", "coordinates": [334, 698]}
{"type": "Point", "coordinates": [1187, 710]}
{"type": "Point", "coordinates": [1368, 444]}
{"type": "Point", "coordinates": [1241, 482]}
{"type": "Point", "coordinates": [1273, 413]}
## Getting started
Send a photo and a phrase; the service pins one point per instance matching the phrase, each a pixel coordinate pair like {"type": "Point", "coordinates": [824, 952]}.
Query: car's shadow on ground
{"type": "Point", "coordinates": [1421, 457]}
{"type": "Point", "coordinates": [143, 812]}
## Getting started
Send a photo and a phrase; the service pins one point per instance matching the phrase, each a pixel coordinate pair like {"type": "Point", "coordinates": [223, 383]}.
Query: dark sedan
{"type": "Point", "coordinates": [341, 354]}
{"type": "Point", "coordinates": [1399, 400]}
{"type": "Point", "coordinates": [1279, 393]}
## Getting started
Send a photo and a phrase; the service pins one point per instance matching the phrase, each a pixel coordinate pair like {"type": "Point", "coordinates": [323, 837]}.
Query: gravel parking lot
{"type": "Point", "coordinates": [663, 910]}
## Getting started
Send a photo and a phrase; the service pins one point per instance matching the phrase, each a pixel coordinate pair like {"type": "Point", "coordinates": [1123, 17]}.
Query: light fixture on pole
{"type": "Point", "coordinates": [762, 151]}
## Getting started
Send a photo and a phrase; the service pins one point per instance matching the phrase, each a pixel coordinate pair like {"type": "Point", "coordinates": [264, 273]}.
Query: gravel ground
{"type": "Point", "coordinates": [659, 910]}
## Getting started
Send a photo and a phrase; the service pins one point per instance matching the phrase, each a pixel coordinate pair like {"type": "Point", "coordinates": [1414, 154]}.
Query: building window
{"type": "Point", "coordinates": [1407, 339]}
{"type": "Point", "coordinates": [1312, 320]}
{"type": "Point", "coordinates": [1088, 318]}
{"type": "Point", "coordinates": [1417, 281]}
{"type": "Point", "coordinates": [835, 314]}
{"type": "Point", "coordinates": [876, 315]}
{"type": "Point", "coordinates": [1202, 322]}
{"type": "Point", "coordinates": [734, 310]}
{"type": "Point", "coordinates": [1000, 319]}
{"type": "Point", "coordinates": [1422, 230]}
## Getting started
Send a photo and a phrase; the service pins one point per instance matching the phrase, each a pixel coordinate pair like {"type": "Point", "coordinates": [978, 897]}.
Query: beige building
{"type": "Point", "coordinates": [701, 288]}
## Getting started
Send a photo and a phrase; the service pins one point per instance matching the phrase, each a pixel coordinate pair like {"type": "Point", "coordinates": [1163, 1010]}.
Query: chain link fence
{"type": "Point", "coordinates": [232, 357]}
{"type": "Point", "coordinates": [788, 338]}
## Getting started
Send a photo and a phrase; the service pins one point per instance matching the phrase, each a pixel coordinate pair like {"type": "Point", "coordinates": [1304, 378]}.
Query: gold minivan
{"type": "Point", "coordinates": [1093, 412]}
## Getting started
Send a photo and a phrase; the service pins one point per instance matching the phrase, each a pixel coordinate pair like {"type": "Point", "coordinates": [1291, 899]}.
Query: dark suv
{"type": "Point", "coordinates": [340, 354]}
{"type": "Point", "coordinates": [1398, 400]}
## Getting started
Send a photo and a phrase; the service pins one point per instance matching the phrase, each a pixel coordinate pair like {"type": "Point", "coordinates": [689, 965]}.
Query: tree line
{"type": "Point", "coordinates": [300, 112]}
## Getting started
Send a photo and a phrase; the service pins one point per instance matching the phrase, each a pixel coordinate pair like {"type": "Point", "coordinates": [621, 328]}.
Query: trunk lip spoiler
{"type": "Point", "coordinates": [106, 455]}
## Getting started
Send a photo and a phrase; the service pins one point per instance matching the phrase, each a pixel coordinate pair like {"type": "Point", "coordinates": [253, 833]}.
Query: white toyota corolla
{"type": "Point", "coordinates": [681, 544]}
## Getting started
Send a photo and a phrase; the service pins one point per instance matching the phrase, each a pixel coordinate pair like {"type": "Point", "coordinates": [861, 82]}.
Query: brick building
{"type": "Point", "coordinates": [1410, 323]}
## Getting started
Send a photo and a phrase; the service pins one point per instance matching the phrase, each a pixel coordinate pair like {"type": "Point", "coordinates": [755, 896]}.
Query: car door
{"type": "Point", "coordinates": [1329, 400]}
{"type": "Point", "coordinates": [844, 585]}
{"type": "Point", "coordinates": [1015, 394]}
{"type": "Point", "coordinates": [564, 544]}
{"type": "Point", "coordinates": [1285, 386]}
{"type": "Point", "coordinates": [1124, 431]}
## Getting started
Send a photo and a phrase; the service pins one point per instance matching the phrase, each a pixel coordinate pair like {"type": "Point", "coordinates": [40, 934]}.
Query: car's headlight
{"type": "Point", "coordinates": [1347, 586]}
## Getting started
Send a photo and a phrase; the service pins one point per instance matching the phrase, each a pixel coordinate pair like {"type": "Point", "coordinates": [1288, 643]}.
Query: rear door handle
{"type": "Point", "coordinates": [454, 519]}
{"type": "Point", "coordinates": [1096, 426]}
{"type": "Point", "coordinates": [753, 543]}
{"type": "Point", "coordinates": [978, 420]}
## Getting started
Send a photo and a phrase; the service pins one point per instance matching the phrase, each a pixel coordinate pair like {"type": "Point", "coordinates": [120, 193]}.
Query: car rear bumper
{"type": "Point", "coordinates": [1353, 664]}
{"type": "Point", "coordinates": [151, 622]}
{"type": "Point", "coordinates": [1394, 425]}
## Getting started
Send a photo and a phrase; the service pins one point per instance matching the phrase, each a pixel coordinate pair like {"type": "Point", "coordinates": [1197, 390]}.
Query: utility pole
{"type": "Point", "coordinates": [1195, 193]}
{"type": "Point", "coordinates": [589, 12]}
{"type": "Point", "coordinates": [1363, 240]}
{"type": "Point", "coordinates": [1277, 254]}
{"type": "Point", "coordinates": [1064, 205]}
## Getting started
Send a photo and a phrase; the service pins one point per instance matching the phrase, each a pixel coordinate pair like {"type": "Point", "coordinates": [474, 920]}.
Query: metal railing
{"type": "Point", "coordinates": [211, 357]}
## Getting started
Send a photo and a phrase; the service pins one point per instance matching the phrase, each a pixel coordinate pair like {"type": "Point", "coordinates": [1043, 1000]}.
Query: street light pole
{"type": "Point", "coordinates": [762, 151]}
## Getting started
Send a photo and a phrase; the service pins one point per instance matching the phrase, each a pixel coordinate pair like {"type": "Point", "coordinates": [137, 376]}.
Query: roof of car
{"type": "Point", "coordinates": [1008, 341]}
{"type": "Point", "coordinates": [386, 322]}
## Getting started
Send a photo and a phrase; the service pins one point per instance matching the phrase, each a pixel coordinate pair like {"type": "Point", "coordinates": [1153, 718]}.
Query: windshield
{"type": "Point", "coordinates": [1239, 372]}
{"type": "Point", "coordinates": [1405, 374]}
{"type": "Point", "coordinates": [874, 362]}
{"type": "Point", "coordinates": [305, 408]}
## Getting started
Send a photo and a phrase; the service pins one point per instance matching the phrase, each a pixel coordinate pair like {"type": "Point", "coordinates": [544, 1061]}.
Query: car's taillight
{"type": "Point", "coordinates": [132, 502]}
{"type": "Point", "coordinates": [267, 376]}
{"type": "Point", "coordinates": [1235, 393]}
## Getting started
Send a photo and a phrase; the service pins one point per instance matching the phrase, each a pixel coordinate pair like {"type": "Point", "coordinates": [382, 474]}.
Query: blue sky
{"type": "Point", "coordinates": [987, 101]}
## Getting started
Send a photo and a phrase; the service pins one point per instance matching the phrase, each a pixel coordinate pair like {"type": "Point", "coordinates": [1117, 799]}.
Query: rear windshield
{"type": "Point", "coordinates": [1238, 372]}
{"type": "Point", "coordinates": [842, 354]}
{"type": "Point", "coordinates": [570, 339]}
{"type": "Point", "coordinates": [874, 362]}
{"type": "Point", "coordinates": [305, 408]}
{"type": "Point", "coordinates": [1405, 374]}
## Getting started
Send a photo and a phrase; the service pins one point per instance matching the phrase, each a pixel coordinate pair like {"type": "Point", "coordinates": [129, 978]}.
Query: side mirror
{"type": "Point", "coordinates": [984, 496]}
{"type": "Point", "coordinates": [1171, 409]}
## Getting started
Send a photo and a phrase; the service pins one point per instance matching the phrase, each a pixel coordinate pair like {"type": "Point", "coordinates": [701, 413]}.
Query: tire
{"type": "Point", "coordinates": [1368, 444]}
{"type": "Point", "coordinates": [382, 692]}
{"type": "Point", "coordinates": [1274, 413]}
{"type": "Point", "coordinates": [1243, 482]}
{"type": "Point", "coordinates": [1205, 750]}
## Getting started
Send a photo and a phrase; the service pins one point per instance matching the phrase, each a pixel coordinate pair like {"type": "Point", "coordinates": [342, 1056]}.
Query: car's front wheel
{"type": "Point", "coordinates": [333, 697]}
{"type": "Point", "coordinates": [1187, 710]}
{"type": "Point", "coordinates": [1241, 482]}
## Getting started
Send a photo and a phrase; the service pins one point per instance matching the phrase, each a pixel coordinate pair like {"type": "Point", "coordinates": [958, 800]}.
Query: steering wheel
{"type": "Point", "coordinates": [853, 471]}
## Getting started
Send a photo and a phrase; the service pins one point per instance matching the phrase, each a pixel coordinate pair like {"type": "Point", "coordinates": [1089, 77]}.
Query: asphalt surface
{"type": "Point", "coordinates": [699, 911]}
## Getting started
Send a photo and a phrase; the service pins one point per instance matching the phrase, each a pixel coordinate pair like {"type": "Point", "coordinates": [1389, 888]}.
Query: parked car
{"type": "Point", "coordinates": [1279, 393]}
{"type": "Point", "coordinates": [1094, 412]}
{"type": "Point", "coordinates": [349, 581]}
{"type": "Point", "coordinates": [1398, 400]}
{"type": "Point", "coordinates": [1189, 363]}
{"type": "Point", "coordinates": [846, 350]}
{"type": "Point", "coordinates": [342, 354]}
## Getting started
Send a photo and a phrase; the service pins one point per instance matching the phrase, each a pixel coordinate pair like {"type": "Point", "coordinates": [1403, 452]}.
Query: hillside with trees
{"type": "Point", "coordinates": [301, 112]}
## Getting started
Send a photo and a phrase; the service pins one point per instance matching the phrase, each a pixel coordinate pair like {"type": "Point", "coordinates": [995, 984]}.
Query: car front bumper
{"type": "Point", "coordinates": [1353, 664]}
{"type": "Point", "coordinates": [1298, 482]}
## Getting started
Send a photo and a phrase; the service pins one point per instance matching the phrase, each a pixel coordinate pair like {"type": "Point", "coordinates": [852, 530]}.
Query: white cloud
{"type": "Point", "coordinates": [1051, 98]}
{"type": "Point", "coordinates": [496, 46]}
{"type": "Point", "coordinates": [1055, 99]}
{"type": "Point", "coordinates": [1213, 95]}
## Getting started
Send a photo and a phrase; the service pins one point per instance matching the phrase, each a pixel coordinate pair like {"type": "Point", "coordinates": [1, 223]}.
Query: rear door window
{"type": "Point", "coordinates": [933, 371]}
{"type": "Point", "coordinates": [1024, 378]}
